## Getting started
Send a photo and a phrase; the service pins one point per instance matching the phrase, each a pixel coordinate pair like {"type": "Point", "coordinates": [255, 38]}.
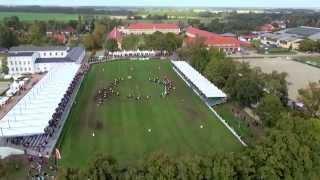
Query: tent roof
{"type": "Point", "coordinates": [32, 113]}
{"type": "Point", "coordinates": [203, 84]}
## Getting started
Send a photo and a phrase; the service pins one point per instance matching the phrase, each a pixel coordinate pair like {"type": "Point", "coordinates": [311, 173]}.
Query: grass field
{"type": "Point", "coordinates": [31, 16]}
{"type": "Point", "coordinates": [240, 126]}
{"type": "Point", "coordinates": [121, 125]}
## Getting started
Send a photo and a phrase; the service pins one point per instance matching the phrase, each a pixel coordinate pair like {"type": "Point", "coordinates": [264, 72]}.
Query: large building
{"type": "Point", "coordinates": [150, 28]}
{"type": "Point", "coordinates": [118, 33]}
{"type": "Point", "coordinates": [290, 37]}
{"type": "Point", "coordinates": [32, 59]}
{"type": "Point", "coordinates": [227, 44]}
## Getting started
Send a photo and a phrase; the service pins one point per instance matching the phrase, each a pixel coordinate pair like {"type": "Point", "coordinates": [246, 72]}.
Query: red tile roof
{"type": "Point", "coordinates": [153, 26]}
{"type": "Point", "coordinates": [115, 34]}
{"type": "Point", "coordinates": [61, 38]}
{"type": "Point", "coordinates": [212, 39]}
{"type": "Point", "coordinates": [199, 32]}
{"type": "Point", "coordinates": [267, 28]}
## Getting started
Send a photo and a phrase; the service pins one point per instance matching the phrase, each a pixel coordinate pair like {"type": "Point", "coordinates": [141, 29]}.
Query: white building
{"type": "Point", "coordinates": [32, 59]}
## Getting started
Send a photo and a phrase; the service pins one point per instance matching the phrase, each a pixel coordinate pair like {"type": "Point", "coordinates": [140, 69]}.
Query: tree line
{"type": "Point", "coordinates": [309, 45]}
{"type": "Point", "coordinates": [290, 150]}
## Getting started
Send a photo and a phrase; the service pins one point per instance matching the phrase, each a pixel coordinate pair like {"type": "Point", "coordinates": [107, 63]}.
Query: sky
{"type": "Point", "coordinates": [182, 3]}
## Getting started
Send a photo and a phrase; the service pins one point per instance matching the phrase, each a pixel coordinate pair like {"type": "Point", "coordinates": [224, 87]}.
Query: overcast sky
{"type": "Point", "coordinates": [204, 3]}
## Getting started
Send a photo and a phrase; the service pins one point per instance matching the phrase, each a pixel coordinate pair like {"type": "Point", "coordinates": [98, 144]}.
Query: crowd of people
{"type": "Point", "coordinates": [166, 82]}
{"type": "Point", "coordinates": [111, 90]}
{"type": "Point", "coordinates": [104, 93]}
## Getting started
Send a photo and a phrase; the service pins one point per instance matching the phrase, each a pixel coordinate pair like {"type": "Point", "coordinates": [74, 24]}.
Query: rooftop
{"type": "Point", "coordinates": [212, 39]}
{"type": "Point", "coordinates": [73, 56]}
{"type": "Point", "coordinates": [303, 31]}
{"type": "Point", "coordinates": [20, 54]}
{"type": "Point", "coordinates": [115, 34]}
{"type": "Point", "coordinates": [30, 116]}
{"type": "Point", "coordinates": [203, 84]}
{"type": "Point", "coordinates": [153, 26]}
{"type": "Point", "coordinates": [38, 48]}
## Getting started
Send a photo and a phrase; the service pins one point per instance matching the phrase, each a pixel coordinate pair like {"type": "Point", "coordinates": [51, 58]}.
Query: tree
{"type": "Point", "coordinates": [4, 67]}
{"type": "Point", "coordinates": [269, 110]}
{"type": "Point", "coordinates": [37, 33]}
{"type": "Point", "coordinates": [308, 45]}
{"type": "Point", "coordinates": [248, 90]}
{"type": "Point", "coordinates": [171, 42]}
{"type": "Point", "coordinates": [131, 42]}
{"type": "Point", "coordinates": [8, 38]}
{"type": "Point", "coordinates": [99, 35]}
{"type": "Point", "coordinates": [276, 84]}
{"type": "Point", "coordinates": [218, 71]}
{"type": "Point", "coordinates": [89, 42]}
{"type": "Point", "coordinates": [111, 45]}
{"type": "Point", "coordinates": [310, 97]}
{"type": "Point", "coordinates": [103, 167]}
{"type": "Point", "coordinates": [12, 22]}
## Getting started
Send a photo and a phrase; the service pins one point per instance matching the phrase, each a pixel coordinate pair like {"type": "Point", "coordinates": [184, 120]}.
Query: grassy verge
{"type": "Point", "coordinates": [226, 111]}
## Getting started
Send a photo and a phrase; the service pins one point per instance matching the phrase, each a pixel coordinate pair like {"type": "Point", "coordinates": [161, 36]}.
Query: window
{"type": "Point", "coordinates": [44, 54]}
{"type": "Point", "coordinates": [12, 69]}
{"type": "Point", "coordinates": [19, 62]}
{"type": "Point", "coordinates": [29, 68]}
{"type": "Point", "coordinates": [56, 54]}
{"type": "Point", "coordinates": [28, 62]}
{"type": "Point", "coordinates": [50, 54]}
{"type": "Point", "coordinates": [21, 69]}
{"type": "Point", "coordinates": [61, 53]}
{"type": "Point", "coordinates": [17, 69]}
{"type": "Point", "coordinates": [24, 63]}
{"type": "Point", "coordinates": [15, 63]}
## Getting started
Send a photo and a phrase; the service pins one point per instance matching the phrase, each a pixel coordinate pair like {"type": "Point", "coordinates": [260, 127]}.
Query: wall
{"type": "Point", "coordinates": [22, 64]}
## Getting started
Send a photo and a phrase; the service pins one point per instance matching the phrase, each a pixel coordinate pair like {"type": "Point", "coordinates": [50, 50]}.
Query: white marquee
{"type": "Point", "coordinates": [208, 89]}
{"type": "Point", "coordinates": [32, 113]}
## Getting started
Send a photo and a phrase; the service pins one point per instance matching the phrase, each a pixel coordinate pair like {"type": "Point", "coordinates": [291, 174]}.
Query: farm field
{"type": "Point", "coordinates": [130, 129]}
{"type": "Point", "coordinates": [31, 16]}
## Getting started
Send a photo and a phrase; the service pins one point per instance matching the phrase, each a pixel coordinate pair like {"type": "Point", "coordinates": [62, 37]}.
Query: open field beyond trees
{"type": "Point", "coordinates": [32, 16]}
{"type": "Point", "coordinates": [129, 129]}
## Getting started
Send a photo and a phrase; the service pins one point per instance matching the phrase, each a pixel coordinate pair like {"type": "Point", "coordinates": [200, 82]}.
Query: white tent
{"type": "Point", "coordinates": [32, 113]}
{"type": "Point", "coordinates": [208, 89]}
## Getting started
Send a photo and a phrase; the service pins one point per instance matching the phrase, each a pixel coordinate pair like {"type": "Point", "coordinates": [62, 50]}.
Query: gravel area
{"type": "Point", "coordinates": [299, 75]}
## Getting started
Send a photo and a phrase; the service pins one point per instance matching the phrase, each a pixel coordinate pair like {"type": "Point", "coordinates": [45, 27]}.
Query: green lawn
{"type": "Point", "coordinates": [241, 127]}
{"type": "Point", "coordinates": [31, 16]}
{"type": "Point", "coordinates": [121, 125]}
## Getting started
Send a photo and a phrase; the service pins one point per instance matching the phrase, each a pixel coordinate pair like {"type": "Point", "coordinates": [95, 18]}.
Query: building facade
{"type": "Point", "coordinates": [31, 59]}
{"type": "Point", "coordinates": [226, 44]}
{"type": "Point", "coordinates": [150, 28]}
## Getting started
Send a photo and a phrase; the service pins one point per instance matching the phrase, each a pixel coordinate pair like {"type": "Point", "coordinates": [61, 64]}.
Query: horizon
{"type": "Point", "coordinates": [272, 4]}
